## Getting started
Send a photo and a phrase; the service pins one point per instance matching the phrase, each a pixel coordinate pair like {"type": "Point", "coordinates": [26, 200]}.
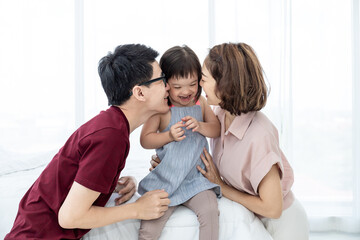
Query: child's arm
{"type": "Point", "coordinates": [210, 127]}
{"type": "Point", "coordinates": [151, 138]}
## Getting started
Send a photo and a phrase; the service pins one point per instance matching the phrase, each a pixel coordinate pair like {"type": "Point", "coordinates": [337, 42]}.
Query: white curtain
{"type": "Point", "coordinates": [308, 48]}
{"type": "Point", "coordinates": [36, 81]}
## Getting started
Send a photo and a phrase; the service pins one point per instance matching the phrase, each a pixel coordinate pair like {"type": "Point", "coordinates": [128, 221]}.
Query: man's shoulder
{"type": "Point", "coordinates": [103, 126]}
{"type": "Point", "coordinates": [106, 119]}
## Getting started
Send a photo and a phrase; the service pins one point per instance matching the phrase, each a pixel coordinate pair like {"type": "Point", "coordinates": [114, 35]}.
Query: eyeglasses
{"type": "Point", "coordinates": [163, 78]}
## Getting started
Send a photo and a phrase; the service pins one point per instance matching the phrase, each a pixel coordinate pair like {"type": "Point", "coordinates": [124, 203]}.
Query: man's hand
{"type": "Point", "coordinates": [152, 204]}
{"type": "Point", "coordinates": [126, 187]}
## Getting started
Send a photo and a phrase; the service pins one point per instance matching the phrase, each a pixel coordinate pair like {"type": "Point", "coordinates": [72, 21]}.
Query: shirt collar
{"type": "Point", "coordinates": [240, 124]}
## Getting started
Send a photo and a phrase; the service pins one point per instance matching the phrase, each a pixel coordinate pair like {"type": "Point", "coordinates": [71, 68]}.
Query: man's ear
{"type": "Point", "coordinates": [138, 93]}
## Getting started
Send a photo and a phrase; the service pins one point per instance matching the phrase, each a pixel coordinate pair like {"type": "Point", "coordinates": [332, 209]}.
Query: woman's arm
{"type": "Point", "coordinates": [269, 201]}
{"type": "Point", "coordinates": [151, 138]}
{"type": "Point", "coordinates": [210, 127]}
{"type": "Point", "coordinates": [267, 204]}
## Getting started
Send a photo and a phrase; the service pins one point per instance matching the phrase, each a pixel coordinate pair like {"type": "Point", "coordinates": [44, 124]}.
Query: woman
{"type": "Point", "coordinates": [247, 161]}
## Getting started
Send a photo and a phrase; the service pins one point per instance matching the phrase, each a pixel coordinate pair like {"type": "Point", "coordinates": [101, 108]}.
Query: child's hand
{"type": "Point", "coordinates": [191, 123]}
{"type": "Point", "coordinates": [176, 132]}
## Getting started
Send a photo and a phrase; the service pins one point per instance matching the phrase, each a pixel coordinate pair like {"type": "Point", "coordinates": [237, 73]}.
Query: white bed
{"type": "Point", "coordinates": [236, 222]}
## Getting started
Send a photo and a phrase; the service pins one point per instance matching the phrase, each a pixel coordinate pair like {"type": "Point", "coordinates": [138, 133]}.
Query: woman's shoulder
{"type": "Point", "coordinates": [263, 126]}
{"type": "Point", "coordinates": [261, 119]}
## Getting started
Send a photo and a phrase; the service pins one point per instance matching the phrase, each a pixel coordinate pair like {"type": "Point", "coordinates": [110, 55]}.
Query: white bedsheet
{"type": "Point", "coordinates": [236, 222]}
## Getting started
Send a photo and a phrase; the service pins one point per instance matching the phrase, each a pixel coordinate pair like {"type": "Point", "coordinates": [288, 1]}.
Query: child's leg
{"type": "Point", "coordinates": [205, 206]}
{"type": "Point", "coordinates": [151, 229]}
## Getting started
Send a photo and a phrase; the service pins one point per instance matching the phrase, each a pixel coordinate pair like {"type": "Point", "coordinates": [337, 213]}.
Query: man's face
{"type": "Point", "coordinates": [158, 92]}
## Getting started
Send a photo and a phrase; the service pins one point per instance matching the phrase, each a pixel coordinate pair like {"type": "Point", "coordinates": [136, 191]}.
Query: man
{"type": "Point", "coordinates": [69, 197]}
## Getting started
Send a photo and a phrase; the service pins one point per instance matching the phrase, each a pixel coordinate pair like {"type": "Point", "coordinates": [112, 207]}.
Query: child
{"type": "Point", "coordinates": [179, 137]}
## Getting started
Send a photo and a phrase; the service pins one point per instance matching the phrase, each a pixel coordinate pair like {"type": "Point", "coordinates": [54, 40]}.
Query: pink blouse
{"type": "Point", "coordinates": [245, 153]}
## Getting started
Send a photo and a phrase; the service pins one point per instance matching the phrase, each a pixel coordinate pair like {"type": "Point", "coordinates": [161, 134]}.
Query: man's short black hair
{"type": "Point", "coordinates": [127, 66]}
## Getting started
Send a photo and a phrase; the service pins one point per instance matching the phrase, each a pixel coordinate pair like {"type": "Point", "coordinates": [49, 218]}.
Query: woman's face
{"type": "Point", "coordinates": [208, 84]}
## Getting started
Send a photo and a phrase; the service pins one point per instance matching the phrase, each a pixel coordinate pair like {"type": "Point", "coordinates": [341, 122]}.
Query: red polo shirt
{"type": "Point", "coordinates": [93, 156]}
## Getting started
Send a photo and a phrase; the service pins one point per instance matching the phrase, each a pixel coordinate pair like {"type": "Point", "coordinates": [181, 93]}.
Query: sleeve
{"type": "Point", "coordinates": [103, 153]}
{"type": "Point", "coordinates": [265, 153]}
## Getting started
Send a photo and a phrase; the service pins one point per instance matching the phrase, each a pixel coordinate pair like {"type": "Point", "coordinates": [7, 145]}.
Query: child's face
{"type": "Point", "coordinates": [183, 90]}
{"type": "Point", "coordinates": [208, 84]}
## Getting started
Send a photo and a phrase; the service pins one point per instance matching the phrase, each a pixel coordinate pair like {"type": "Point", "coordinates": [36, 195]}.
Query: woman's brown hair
{"type": "Point", "coordinates": [239, 77]}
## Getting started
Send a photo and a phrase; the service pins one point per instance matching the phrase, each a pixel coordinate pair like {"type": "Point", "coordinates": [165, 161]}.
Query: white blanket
{"type": "Point", "coordinates": [236, 222]}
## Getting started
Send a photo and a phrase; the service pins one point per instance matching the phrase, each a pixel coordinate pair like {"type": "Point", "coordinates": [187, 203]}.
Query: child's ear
{"type": "Point", "coordinates": [138, 93]}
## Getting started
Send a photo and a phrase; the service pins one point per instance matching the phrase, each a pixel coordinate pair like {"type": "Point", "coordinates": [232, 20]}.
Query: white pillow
{"type": "Point", "coordinates": [12, 162]}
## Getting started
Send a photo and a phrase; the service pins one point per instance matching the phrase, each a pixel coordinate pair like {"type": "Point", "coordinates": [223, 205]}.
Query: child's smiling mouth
{"type": "Point", "coordinates": [187, 98]}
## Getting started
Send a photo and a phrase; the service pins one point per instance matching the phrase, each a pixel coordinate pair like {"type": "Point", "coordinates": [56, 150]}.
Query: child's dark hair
{"type": "Point", "coordinates": [239, 77]}
{"type": "Point", "coordinates": [126, 67]}
{"type": "Point", "coordinates": [181, 62]}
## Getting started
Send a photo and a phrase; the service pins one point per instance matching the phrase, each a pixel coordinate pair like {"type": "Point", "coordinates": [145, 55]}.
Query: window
{"type": "Point", "coordinates": [37, 80]}
{"type": "Point", "coordinates": [322, 106]}
{"type": "Point", "coordinates": [309, 50]}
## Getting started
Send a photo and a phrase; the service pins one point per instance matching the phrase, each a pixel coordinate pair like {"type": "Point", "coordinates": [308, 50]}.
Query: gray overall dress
{"type": "Point", "coordinates": [177, 172]}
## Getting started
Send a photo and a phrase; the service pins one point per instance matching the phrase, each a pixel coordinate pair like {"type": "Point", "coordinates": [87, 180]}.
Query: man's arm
{"type": "Point", "coordinates": [78, 211]}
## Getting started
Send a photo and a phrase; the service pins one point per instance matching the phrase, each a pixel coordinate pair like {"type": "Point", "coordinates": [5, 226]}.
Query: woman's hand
{"type": "Point", "coordinates": [210, 172]}
{"type": "Point", "coordinates": [268, 203]}
{"type": "Point", "coordinates": [126, 187]}
{"type": "Point", "coordinates": [155, 160]}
